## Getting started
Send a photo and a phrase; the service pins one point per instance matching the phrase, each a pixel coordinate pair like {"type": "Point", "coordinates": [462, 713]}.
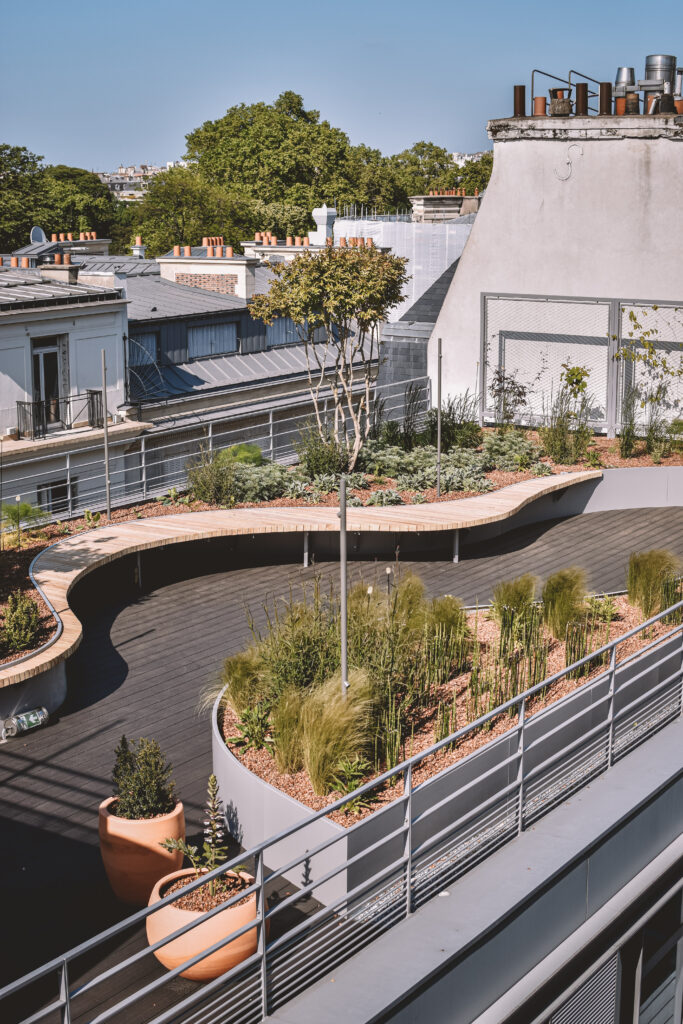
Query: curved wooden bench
{"type": "Point", "coordinates": [58, 568]}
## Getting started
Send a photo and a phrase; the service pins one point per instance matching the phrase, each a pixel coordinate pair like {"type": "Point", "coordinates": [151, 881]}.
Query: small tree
{"type": "Point", "coordinates": [142, 780]}
{"type": "Point", "coordinates": [22, 512]}
{"type": "Point", "coordinates": [337, 299]}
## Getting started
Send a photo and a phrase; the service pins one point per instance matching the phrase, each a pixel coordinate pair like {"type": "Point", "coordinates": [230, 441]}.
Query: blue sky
{"type": "Point", "coordinates": [93, 83]}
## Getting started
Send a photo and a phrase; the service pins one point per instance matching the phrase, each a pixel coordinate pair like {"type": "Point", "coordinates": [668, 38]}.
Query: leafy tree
{"type": "Point", "coordinates": [345, 294]}
{"type": "Point", "coordinates": [20, 184]}
{"type": "Point", "coordinates": [423, 167]}
{"type": "Point", "coordinates": [180, 207]}
{"type": "Point", "coordinates": [73, 199]}
{"type": "Point", "coordinates": [476, 174]}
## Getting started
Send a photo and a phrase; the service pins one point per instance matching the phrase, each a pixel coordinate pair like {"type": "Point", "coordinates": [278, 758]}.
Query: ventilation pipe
{"type": "Point", "coordinates": [581, 108]}
{"type": "Point", "coordinates": [520, 101]}
{"type": "Point", "coordinates": [605, 98]}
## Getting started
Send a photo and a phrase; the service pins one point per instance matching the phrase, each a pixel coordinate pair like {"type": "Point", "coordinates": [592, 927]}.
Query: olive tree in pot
{"type": "Point", "coordinates": [134, 821]}
{"type": "Point", "coordinates": [192, 906]}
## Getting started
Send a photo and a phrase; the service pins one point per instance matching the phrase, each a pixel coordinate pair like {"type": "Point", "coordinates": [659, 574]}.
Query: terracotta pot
{"type": "Point", "coordinates": [170, 918]}
{"type": "Point", "coordinates": [620, 105]}
{"type": "Point", "coordinates": [132, 857]}
{"type": "Point", "coordinates": [679, 106]}
{"type": "Point", "coordinates": [539, 106]}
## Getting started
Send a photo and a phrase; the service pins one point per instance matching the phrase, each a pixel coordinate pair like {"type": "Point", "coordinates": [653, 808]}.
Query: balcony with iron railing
{"type": "Point", "coordinates": [37, 419]}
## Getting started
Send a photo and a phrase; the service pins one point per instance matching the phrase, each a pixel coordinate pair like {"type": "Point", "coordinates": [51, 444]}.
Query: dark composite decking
{"type": "Point", "coordinates": [140, 670]}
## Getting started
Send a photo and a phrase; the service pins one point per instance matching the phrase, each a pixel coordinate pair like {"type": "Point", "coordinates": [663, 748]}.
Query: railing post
{"type": "Point", "coordinates": [210, 438]}
{"type": "Point", "coordinates": [520, 765]}
{"type": "Point", "coordinates": [270, 432]}
{"type": "Point", "coordinates": [408, 825]}
{"type": "Point", "coordinates": [69, 501]}
{"type": "Point", "coordinates": [143, 465]}
{"type": "Point", "coordinates": [64, 993]}
{"type": "Point", "coordinates": [262, 937]}
{"type": "Point", "coordinates": [610, 705]}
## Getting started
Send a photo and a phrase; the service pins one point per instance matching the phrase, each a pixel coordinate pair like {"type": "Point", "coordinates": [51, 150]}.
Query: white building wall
{"type": "Point", "coordinates": [88, 331]}
{"type": "Point", "coordinates": [586, 207]}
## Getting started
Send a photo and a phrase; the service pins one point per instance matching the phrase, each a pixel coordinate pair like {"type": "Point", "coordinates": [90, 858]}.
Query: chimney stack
{"type": "Point", "coordinates": [138, 249]}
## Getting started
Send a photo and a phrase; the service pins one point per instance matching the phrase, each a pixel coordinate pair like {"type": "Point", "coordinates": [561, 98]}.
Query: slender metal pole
{"type": "Point", "coordinates": [105, 416]}
{"type": "Point", "coordinates": [438, 421]}
{"type": "Point", "coordinates": [610, 705]}
{"type": "Point", "coordinates": [262, 935]}
{"type": "Point", "coordinates": [520, 765]}
{"type": "Point", "coordinates": [343, 586]}
{"type": "Point", "coordinates": [408, 789]}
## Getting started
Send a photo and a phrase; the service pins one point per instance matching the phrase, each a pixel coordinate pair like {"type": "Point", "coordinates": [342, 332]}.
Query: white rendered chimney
{"type": "Point", "coordinates": [324, 218]}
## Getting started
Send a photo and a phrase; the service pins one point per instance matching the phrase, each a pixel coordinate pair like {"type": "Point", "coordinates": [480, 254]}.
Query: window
{"type": "Point", "coordinates": [53, 498]}
{"type": "Point", "coordinates": [144, 349]}
{"type": "Point", "coordinates": [211, 340]}
{"type": "Point", "coordinates": [281, 332]}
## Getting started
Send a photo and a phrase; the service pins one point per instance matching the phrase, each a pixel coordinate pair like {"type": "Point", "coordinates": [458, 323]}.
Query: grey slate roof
{"type": "Point", "coordinates": [155, 298]}
{"type": "Point", "coordinates": [128, 265]}
{"type": "Point", "coordinates": [426, 309]}
{"type": "Point", "coordinates": [263, 277]}
{"type": "Point", "coordinates": [38, 249]}
{"type": "Point", "coordinates": [218, 373]}
{"type": "Point", "coordinates": [25, 289]}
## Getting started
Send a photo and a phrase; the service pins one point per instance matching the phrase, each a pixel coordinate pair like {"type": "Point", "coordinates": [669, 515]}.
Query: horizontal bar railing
{"type": "Point", "coordinates": [151, 463]}
{"type": "Point", "coordinates": [366, 907]}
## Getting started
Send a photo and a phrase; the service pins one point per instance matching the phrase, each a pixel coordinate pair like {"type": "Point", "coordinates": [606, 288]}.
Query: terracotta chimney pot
{"type": "Point", "coordinates": [209, 252]}
{"type": "Point", "coordinates": [14, 261]}
{"type": "Point", "coordinates": [187, 250]}
{"type": "Point", "coordinates": [290, 240]}
{"type": "Point", "coordinates": [138, 239]}
{"type": "Point", "coordinates": [329, 241]}
{"type": "Point", "coordinates": [257, 236]}
{"type": "Point", "coordinates": [81, 236]}
{"type": "Point", "coordinates": [69, 236]}
{"type": "Point", "coordinates": [205, 240]}
{"type": "Point", "coordinates": [58, 258]}
{"type": "Point", "coordinates": [62, 236]}
{"type": "Point", "coordinates": [297, 240]}
{"type": "Point", "coordinates": [56, 239]}
{"type": "Point", "coordinates": [176, 250]}
{"type": "Point", "coordinates": [67, 259]}
{"type": "Point", "coordinates": [370, 243]}
{"type": "Point", "coordinates": [476, 191]}
{"type": "Point", "coordinates": [307, 240]}
{"type": "Point", "coordinates": [94, 235]}
{"type": "Point", "coordinates": [219, 252]}
{"type": "Point", "coordinates": [229, 252]}
{"type": "Point", "coordinates": [273, 239]}
{"type": "Point", "coordinates": [24, 262]}
{"type": "Point", "coordinates": [342, 242]}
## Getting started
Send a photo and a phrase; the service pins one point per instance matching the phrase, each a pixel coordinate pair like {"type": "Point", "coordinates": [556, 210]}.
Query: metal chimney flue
{"type": "Point", "coordinates": [581, 107]}
{"type": "Point", "coordinates": [605, 98]}
{"type": "Point", "coordinates": [520, 101]}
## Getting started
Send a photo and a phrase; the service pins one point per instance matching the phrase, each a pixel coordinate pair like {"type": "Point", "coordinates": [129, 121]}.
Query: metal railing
{"type": "Point", "coordinates": [149, 465]}
{"type": "Point", "coordinates": [35, 419]}
{"type": "Point", "coordinates": [389, 864]}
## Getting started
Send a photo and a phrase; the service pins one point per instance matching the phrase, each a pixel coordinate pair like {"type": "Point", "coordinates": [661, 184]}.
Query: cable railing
{"type": "Point", "coordinates": [64, 485]}
{"type": "Point", "coordinates": [359, 882]}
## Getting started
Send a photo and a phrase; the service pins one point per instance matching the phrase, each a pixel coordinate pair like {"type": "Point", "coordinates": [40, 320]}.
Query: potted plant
{"type": "Point", "coordinates": [191, 906]}
{"type": "Point", "coordinates": [134, 821]}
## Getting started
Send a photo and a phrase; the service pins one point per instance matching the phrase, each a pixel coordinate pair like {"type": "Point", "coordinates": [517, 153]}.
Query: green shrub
{"type": "Point", "coordinates": [249, 454]}
{"type": "Point", "coordinates": [601, 608]}
{"type": "Point", "coordinates": [508, 450]}
{"type": "Point", "coordinates": [320, 455]}
{"type": "Point", "coordinates": [563, 599]}
{"type": "Point", "coordinates": [287, 731]}
{"type": "Point", "coordinates": [647, 575]}
{"type": "Point", "coordinates": [459, 427]}
{"type": "Point", "coordinates": [390, 497]}
{"type": "Point", "coordinates": [243, 677]}
{"type": "Point", "coordinates": [253, 728]}
{"type": "Point", "coordinates": [142, 780]}
{"type": "Point", "coordinates": [259, 483]}
{"type": "Point", "coordinates": [301, 646]}
{"type": "Point", "coordinates": [212, 479]}
{"type": "Point", "coordinates": [517, 595]}
{"type": "Point", "coordinates": [335, 728]}
{"type": "Point", "coordinates": [447, 613]}
{"type": "Point", "coordinates": [541, 469]}
{"type": "Point", "coordinates": [21, 512]}
{"type": "Point", "coordinates": [629, 413]}
{"type": "Point", "coordinates": [22, 623]}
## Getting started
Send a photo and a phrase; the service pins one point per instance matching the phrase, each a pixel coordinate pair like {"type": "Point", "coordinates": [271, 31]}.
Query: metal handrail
{"type": "Point", "coordinates": [403, 864]}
